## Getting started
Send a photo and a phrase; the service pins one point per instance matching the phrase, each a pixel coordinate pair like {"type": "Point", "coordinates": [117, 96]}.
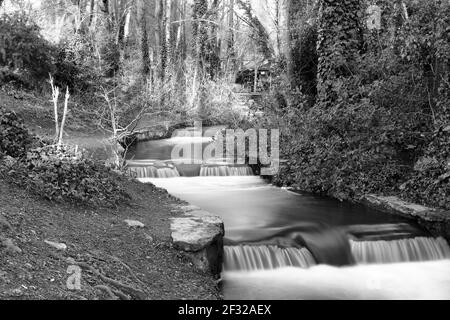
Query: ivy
{"type": "Point", "coordinates": [14, 137]}
{"type": "Point", "coordinates": [381, 120]}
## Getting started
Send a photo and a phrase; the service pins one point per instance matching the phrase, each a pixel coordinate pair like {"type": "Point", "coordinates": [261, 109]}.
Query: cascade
{"type": "Point", "coordinates": [402, 250]}
{"type": "Point", "coordinates": [251, 258]}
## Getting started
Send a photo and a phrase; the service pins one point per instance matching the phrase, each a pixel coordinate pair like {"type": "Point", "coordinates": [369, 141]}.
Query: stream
{"type": "Point", "coordinates": [285, 245]}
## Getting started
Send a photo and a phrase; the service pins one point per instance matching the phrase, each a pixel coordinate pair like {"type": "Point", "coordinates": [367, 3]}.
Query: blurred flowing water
{"type": "Point", "coordinates": [281, 244]}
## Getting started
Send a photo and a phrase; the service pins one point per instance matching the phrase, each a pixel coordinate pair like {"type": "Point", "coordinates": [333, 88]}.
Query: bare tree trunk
{"type": "Point", "coordinates": [106, 13]}
{"type": "Point", "coordinates": [63, 122]}
{"type": "Point", "coordinates": [158, 11]}
{"type": "Point", "coordinates": [278, 26]}
{"type": "Point", "coordinates": [121, 15]}
{"type": "Point", "coordinates": [214, 58]}
{"type": "Point", "coordinates": [230, 39]}
{"type": "Point", "coordinates": [179, 28]}
{"type": "Point", "coordinates": [144, 38]}
{"type": "Point", "coordinates": [105, 7]}
{"type": "Point", "coordinates": [168, 31]}
{"type": "Point", "coordinates": [126, 31]}
{"type": "Point", "coordinates": [231, 54]}
{"type": "Point", "coordinates": [91, 13]}
{"type": "Point", "coordinates": [55, 97]}
{"type": "Point", "coordinates": [287, 42]}
{"type": "Point", "coordinates": [160, 37]}
{"type": "Point", "coordinates": [183, 44]}
{"type": "Point", "coordinates": [200, 40]}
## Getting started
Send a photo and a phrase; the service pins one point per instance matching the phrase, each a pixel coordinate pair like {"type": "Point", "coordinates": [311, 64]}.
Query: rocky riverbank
{"type": "Point", "coordinates": [125, 253]}
{"type": "Point", "coordinates": [436, 221]}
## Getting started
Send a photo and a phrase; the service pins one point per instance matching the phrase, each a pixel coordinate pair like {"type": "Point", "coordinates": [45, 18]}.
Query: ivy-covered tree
{"type": "Point", "coordinates": [339, 41]}
{"type": "Point", "coordinates": [146, 63]}
{"type": "Point", "coordinates": [200, 31]}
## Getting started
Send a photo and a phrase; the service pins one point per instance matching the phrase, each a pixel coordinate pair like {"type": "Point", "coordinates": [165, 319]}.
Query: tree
{"type": "Point", "coordinates": [214, 43]}
{"type": "Point", "coordinates": [168, 31]}
{"type": "Point", "coordinates": [146, 63]}
{"type": "Point", "coordinates": [91, 13]}
{"type": "Point", "coordinates": [122, 13]}
{"type": "Point", "coordinates": [259, 33]}
{"type": "Point", "coordinates": [339, 41]}
{"type": "Point", "coordinates": [180, 43]}
{"type": "Point", "coordinates": [230, 38]}
{"type": "Point", "coordinates": [200, 31]}
{"type": "Point", "coordinates": [160, 37]}
{"type": "Point", "coordinates": [287, 42]}
{"type": "Point", "coordinates": [200, 38]}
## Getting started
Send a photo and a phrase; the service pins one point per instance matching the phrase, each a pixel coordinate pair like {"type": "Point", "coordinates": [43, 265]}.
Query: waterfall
{"type": "Point", "coordinates": [250, 258]}
{"type": "Point", "coordinates": [168, 173]}
{"type": "Point", "coordinates": [404, 250]}
{"type": "Point", "coordinates": [143, 172]}
{"type": "Point", "coordinates": [225, 171]}
{"type": "Point", "coordinates": [153, 172]}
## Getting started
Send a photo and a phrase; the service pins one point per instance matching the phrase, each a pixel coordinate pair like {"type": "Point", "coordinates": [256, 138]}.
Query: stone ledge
{"type": "Point", "coordinates": [436, 221]}
{"type": "Point", "coordinates": [200, 235]}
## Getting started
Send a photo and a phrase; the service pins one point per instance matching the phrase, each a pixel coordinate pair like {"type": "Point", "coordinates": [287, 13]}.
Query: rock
{"type": "Point", "coordinates": [200, 235]}
{"type": "Point", "coordinates": [16, 292]}
{"type": "Point", "coordinates": [71, 261]}
{"type": "Point", "coordinates": [56, 245]}
{"type": "Point", "coordinates": [444, 177]}
{"type": "Point", "coordinates": [436, 221]}
{"type": "Point", "coordinates": [134, 224]}
{"type": "Point", "coordinates": [10, 247]}
{"type": "Point", "coordinates": [189, 208]}
{"type": "Point", "coordinates": [149, 238]}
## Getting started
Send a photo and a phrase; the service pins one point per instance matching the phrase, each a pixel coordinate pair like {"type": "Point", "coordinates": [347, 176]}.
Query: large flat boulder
{"type": "Point", "coordinates": [436, 221]}
{"type": "Point", "coordinates": [200, 235]}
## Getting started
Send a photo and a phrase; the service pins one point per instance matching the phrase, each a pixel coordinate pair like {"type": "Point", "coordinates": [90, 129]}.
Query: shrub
{"type": "Point", "coordinates": [63, 174]}
{"type": "Point", "coordinates": [430, 181]}
{"type": "Point", "coordinates": [14, 137]}
{"type": "Point", "coordinates": [304, 53]}
{"type": "Point", "coordinates": [387, 128]}
{"type": "Point", "coordinates": [25, 49]}
{"type": "Point", "coordinates": [343, 152]}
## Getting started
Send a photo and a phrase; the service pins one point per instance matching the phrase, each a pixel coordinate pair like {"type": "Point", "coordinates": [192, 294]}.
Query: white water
{"type": "Point", "coordinates": [248, 258]}
{"type": "Point", "coordinates": [225, 171]}
{"type": "Point", "coordinates": [409, 281]}
{"type": "Point", "coordinates": [266, 257]}
{"type": "Point", "coordinates": [153, 172]}
{"type": "Point", "coordinates": [257, 213]}
{"type": "Point", "coordinates": [403, 250]}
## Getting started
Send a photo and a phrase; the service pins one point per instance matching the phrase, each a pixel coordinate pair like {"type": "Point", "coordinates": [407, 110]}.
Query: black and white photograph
{"type": "Point", "coordinates": [225, 156]}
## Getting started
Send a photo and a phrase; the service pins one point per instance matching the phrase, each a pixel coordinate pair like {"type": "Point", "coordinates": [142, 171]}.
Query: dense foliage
{"type": "Point", "coordinates": [360, 110]}
{"type": "Point", "coordinates": [26, 56]}
{"type": "Point", "coordinates": [56, 173]}
{"type": "Point", "coordinates": [14, 137]}
{"type": "Point", "coordinates": [61, 174]}
{"type": "Point", "coordinates": [338, 42]}
{"type": "Point", "coordinates": [381, 125]}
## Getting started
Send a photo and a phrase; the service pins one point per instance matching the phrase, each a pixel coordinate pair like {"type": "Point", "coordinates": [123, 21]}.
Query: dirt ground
{"type": "Point", "coordinates": [140, 259]}
{"type": "Point", "coordinates": [116, 261]}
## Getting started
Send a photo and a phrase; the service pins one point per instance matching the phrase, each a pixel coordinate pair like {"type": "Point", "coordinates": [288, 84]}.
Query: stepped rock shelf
{"type": "Point", "coordinates": [436, 221]}
{"type": "Point", "coordinates": [200, 235]}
